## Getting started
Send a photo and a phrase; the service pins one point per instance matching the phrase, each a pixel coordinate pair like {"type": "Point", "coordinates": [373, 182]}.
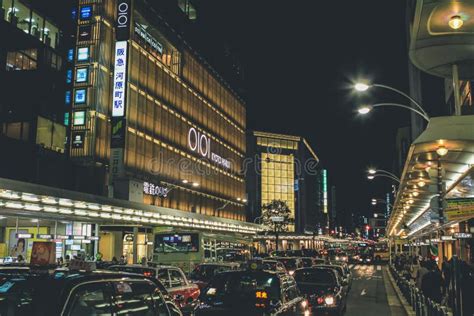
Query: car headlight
{"type": "Point", "coordinates": [291, 272]}
{"type": "Point", "coordinates": [329, 300]}
{"type": "Point", "coordinates": [337, 258]}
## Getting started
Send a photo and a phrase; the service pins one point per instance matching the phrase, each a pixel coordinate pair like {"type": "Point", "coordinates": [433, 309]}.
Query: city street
{"type": "Point", "coordinates": [372, 292]}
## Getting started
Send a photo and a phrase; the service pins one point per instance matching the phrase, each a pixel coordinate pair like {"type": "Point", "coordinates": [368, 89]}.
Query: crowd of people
{"type": "Point", "coordinates": [438, 284]}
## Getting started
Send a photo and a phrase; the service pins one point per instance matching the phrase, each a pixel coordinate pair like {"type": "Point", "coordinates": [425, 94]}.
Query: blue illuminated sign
{"type": "Point", "coordinates": [80, 96]}
{"type": "Point", "coordinates": [69, 76]}
{"type": "Point", "coordinates": [83, 53]}
{"type": "Point", "coordinates": [70, 55]}
{"type": "Point", "coordinates": [86, 12]}
{"type": "Point", "coordinates": [82, 74]}
{"type": "Point", "coordinates": [68, 97]}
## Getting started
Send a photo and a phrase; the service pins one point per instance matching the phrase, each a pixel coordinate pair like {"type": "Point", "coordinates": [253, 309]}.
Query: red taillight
{"type": "Point", "coordinates": [147, 273]}
{"type": "Point", "coordinates": [320, 300]}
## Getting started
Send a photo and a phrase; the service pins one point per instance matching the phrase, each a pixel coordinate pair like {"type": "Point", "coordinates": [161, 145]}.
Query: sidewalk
{"type": "Point", "coordinates": [397, 303]}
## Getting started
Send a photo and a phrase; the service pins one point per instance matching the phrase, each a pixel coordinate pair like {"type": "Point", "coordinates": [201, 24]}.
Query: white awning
{"type": "Point", "coordinates": [412, 213]}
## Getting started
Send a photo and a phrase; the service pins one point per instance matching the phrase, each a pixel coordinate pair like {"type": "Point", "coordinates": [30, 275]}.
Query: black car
{"type": "Point", "coordinates": [290, 263]}
{"type": "Point", "coordinates": [251, 292]}
{"type": "Point", "coordinates": [343, 273]}
{"type": "Point", "coordinates": [74, 293]}
{"type": "Point", "coordinates": [322, 289]}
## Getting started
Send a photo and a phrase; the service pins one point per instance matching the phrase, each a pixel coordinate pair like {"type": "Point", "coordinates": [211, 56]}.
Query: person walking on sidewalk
{"type": "Point", "coordinates": [432, 283]}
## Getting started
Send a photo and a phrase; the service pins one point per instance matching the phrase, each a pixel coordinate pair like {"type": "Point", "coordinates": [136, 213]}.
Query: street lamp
{"type": "Point", "coordinates": [373, 173]}
{"type": "Point", "coordinates": [365, 109]}
{"type": "Point", "coordinates": [362, 87]}
{"type": "Point", "coordinates": [455, 22]}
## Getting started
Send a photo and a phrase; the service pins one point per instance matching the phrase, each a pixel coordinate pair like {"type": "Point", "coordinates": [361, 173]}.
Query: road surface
{"type": "Point", "coordinates": [372, 293]}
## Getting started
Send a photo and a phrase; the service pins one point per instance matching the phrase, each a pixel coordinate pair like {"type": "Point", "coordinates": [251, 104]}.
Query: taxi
{"type": "Point", "coordinates": [323, 290]}
{"type": "Point", "coordinates": [183, 292]}
{"type": "Point", "coordinates": [204, 272]}
{"type": "Point", "coordinates": [253, 291]}
{"type": "Point", "coordinates": [73, 293]}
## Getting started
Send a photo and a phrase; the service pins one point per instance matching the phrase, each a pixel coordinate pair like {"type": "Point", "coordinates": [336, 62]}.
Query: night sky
{"type": "Point", "coordinates": [299, 60]}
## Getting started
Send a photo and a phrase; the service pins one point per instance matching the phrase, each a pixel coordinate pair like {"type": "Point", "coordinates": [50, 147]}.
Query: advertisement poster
{"type": "Point", "coordinates": [43, 253]}
{"type": "Point", "coordinates": [17, 246]}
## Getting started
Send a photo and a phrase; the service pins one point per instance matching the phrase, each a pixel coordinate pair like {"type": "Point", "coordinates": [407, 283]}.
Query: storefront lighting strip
{"type": "Point", "coordinates": [132, 215]}
{"type": "Point", "coordinates": [162, 66]}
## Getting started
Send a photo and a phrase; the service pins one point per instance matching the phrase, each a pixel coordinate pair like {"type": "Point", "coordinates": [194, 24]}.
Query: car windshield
{"type": "Point", "coordinates": [207, 272]}
{"type": "Point", "coordinates": [23, 294]}
{"type": "Point", "coordinates": [149, 272]}
{"type": "Point", "coordinates": [270, 265]}
{"type": "Point", "coordinates": [311, 279]}
{"type": "Point", "coordinates": [288, 263]}
{"type": "Point", "coordinates": [242, 288]}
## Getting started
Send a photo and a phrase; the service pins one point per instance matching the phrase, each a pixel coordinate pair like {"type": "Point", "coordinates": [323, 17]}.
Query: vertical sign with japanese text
{"type": "Point", "coordinates": [120, 72]}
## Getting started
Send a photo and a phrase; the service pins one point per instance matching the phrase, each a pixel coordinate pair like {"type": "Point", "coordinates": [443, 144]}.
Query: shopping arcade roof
{"type": "Point", "coordinates": [412, 214]}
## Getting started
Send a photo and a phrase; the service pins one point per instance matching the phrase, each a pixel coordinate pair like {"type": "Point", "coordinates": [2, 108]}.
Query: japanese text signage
{"type": "Point", "coordinates": [124, 15]}
{"type": "Point", "coordinates": [120, 71]}
{"type": "Point", "coordinates": [153, 189]}
{"type": "Point", "coordinates": [201, 144]}
{"type": "Point", "coordinates": [459, 209]}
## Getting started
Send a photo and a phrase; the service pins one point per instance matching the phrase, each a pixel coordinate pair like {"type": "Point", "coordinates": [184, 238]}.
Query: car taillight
{"type": "Point", "coordinates": [320, 300]}
{"type": "Point", "coordinates": [147, 273]}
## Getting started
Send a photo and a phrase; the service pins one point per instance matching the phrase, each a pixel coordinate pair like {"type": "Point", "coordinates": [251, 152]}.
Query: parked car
{"type": "Point", "coordinates": [290, 263]}
{"type": "Point", "coordinates": [204, 272]}
{"type": "Point", "coordinates": [274, 265]}
{"type": "Point", "coordinates": [173, 279]}
{"type": "Point", "coordinates": [322, 289]}
{"type": "Point", "coordinates": [77, 293]}
{"type": "Point", "coordinates": [344, 275]}
{"type": "Point", "coordinates": [251, 292]}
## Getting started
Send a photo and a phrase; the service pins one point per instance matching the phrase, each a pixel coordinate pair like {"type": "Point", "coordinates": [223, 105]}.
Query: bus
{"type": "Point", "coordinates": [381, 252]}
{"type": "Point", "coordinates": [188, 249]}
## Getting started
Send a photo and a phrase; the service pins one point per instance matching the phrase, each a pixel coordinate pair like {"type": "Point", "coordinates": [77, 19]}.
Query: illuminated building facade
{"type": "Point", "coordinates": [149, 110]}
{"type": "Point", "coordinates": [283, 167]}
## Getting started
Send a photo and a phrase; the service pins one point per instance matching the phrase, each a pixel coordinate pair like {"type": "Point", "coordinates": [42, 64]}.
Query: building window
{"type": "Point", "coordinates": [22, 60]}
{"type": "Point", "coordinates": [82, 74]}
{"type": "Point", "coordinates": [83, 54]}
{"type": "Point", "coordinates": [80, 96]}
{"type": "Point", "coordinates": [79, 118]}
{"type": "Point", "coordinates": [278, 179]}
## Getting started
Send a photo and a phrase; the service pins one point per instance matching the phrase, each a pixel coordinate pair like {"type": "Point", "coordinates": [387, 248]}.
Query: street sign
{"type": "Point", "coordinates": [458, 209]}
{"type": "Point", "coordinates": [447, 238]}
{"type": "Point", "coordinates": [277, 219]}
{"type": "Point", "coordinates": [462, 235]}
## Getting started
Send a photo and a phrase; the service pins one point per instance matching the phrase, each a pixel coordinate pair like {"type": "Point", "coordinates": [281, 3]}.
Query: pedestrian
{"type": "Point", "coordinates": [114, 260]}
{"type": "Point", "coordinates": [420, 274]}
{"type": "Point", "coordinates": [432, 283]}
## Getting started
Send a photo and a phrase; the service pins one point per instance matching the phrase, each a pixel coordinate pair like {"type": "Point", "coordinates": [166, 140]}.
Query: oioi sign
{"type": "Point", "coordinates": [201, 144]}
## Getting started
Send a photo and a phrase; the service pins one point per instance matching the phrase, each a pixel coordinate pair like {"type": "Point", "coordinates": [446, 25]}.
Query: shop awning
{"type": "Point", "coordinates": [414, 211]}
{"type": "Point", "coordinates": [36, 201]}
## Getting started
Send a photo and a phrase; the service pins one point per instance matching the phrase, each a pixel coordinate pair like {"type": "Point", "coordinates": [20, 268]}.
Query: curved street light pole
{"type": "Point", "coordinates": [421, 113]}
{"type": "Point", "coordinates": [370, 177]}
{"type": "Point", "coordinates": [402, 94]}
